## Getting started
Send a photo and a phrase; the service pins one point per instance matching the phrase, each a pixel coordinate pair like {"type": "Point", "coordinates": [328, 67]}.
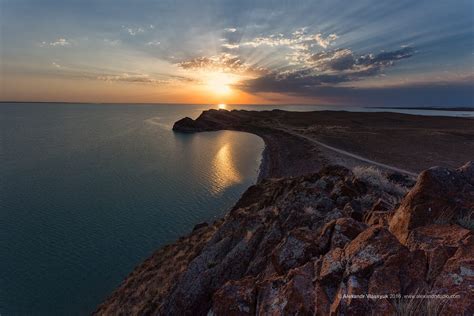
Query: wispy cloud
{"type": "Point", "coordinates": [230, 30]}
{"type": "Point", "coordinates": [60, 42]}
{"type": "Point", "coordinates": [324, 42]}
{"type": "Point", "coordinates": [56, 65]}
{"type": "Point", "coordinates": [344, 59]}
{"type": "Point", "coordinates": [326, 68]}
{"type": "Point", "coordinates": [153, 43]}
{"type": "Point", "coordinates": [133, 30]}
{"type": "Point", "coordinates": [126, 77]}
{"type": "Point", "coordinates": [222, 62]}
{"type": "Point", "coordinates": [230, 46]}
{"type": "Point", "coordinates": [299, 39]}
{"type": "Point", "coordinates": [141, 78]}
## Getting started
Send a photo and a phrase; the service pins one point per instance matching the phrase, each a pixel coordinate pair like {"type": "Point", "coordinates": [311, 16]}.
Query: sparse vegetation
{"type": "Point", "coordinates": [466, 221]}
{"type": "Point", "coordinates": [451, 215]}
{"type": "Point", "coordinates": [414, 305]}
{"type": "Point", "coordinates": [374, 177]}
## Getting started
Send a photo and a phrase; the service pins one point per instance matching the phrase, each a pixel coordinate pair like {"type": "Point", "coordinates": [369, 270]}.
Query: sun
{"type": "Point", "coordinates": [219, 83]}
{"type": "Point", "coordinates": [222, 106]}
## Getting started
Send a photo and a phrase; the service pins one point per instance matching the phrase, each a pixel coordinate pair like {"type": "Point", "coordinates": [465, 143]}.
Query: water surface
{"type": "Point", "coordinates": [89, 191]}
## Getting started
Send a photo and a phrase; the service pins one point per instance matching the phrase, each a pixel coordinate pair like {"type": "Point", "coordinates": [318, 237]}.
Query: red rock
{"type": "Point", "coordinates": [299, 291]}
{"type": "Point", "coordinates": [339, 232]}
{"type": "Point", "coordinates": [379, 218]}
{"type": "Point", "coordinates": [457, 279]}
{"type": "Point", "coordinates": [235, 298]}
{"type": "Point", "coordinates": [351, 298]}
{"type": "Point", "coordinates": [332, 266]}
{"type": "Point", "coordinates": [438, 193]}
{"type": "Point", "coordinates": [322, 304]}
{"type": "Point", "coordinates": [297, 248]}
{"type": "Point", "coordinates": [371, 247]}
{"type": "Point", "coordinates": [432, 236]}
{"type": "Point", "coordinates": [413, 270]}
{"type": "Point", "coordinates": [439, 242]}
{"type": "Point", "coordinates": [270, 301]}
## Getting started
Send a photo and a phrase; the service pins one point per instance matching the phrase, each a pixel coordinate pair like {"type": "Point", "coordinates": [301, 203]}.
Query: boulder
{"type": "Point", "coordinates": [439, 196]}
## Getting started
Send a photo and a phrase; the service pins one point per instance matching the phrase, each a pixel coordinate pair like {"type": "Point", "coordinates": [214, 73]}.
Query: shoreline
{"type": "Point", "coordinates": [262, 169]}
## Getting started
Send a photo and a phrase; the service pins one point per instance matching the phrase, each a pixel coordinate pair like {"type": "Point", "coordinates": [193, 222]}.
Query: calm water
{"type": "Point", "coordinates": [89, 191]}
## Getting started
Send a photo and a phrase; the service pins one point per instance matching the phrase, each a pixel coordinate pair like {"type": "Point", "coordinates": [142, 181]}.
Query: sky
{"type": "Point", "coordinates": [366, 52]}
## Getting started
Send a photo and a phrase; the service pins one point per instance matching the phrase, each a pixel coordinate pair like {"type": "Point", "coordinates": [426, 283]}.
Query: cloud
{"type": "Point", "coordinates": [60, 42]}
{"type": "Point", "coordinates": [299, 39]}
{"type": "Point", "coordinates": [230, 30]}
{"type": "Point", "coordinates": [292, 82]}
{"type": "Point", "coordinates": [153, 43]}
{"type": "Point", "coordinates": [133, 31]}
{"type": "Point", "coordinates": [222, 62]}
{"type": "Point", "coordinates": [387, 58]}
{"type": "Point", "coordinates": [326, 68]}
{"type": "Point", "coordinates": [324, 42]}
{"type": "Point", "coordinates": [133, 78]}
{"type": "Point", "coordinates": [300, 42]}
{"type": "Point", "coordinates": [345, 60]}
{"type": "Point", "coordinates": [340, 59]}
{"type": "Point", "coordinates": [230, 46]}
{"type": "Point", "coordinates": [140, 78]}
{"type": "Point", "coordinates": [56, 64]}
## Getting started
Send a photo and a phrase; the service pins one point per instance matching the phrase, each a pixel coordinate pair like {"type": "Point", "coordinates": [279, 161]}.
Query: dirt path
{"type": "Point", "coordinates": [349, 154]}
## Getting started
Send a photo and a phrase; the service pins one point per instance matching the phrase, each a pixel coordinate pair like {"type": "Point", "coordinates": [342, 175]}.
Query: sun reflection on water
{"type": "Point", "coordinates": [226, 173]}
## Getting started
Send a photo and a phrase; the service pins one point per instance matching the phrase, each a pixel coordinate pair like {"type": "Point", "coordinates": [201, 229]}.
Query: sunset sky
{"type": "Point", "coordinates": [397, 53]}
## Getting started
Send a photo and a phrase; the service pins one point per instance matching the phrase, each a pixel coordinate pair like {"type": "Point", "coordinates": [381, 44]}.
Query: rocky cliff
{"type": "Point", "coordinates": [339, 241]}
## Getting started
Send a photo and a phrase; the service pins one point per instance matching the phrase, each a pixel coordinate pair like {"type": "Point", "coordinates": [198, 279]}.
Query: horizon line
{"type": "Point", "coordinates": [245, 104]}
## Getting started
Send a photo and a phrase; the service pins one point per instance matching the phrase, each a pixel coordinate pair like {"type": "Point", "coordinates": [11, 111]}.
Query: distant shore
{"type": "Point", "coordinates": [456, 109]}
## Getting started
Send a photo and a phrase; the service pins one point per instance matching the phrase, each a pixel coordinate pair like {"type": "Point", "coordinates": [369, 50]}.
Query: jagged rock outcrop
{"type": "Point", "coordinates": [320, 244]}
{"type": "Point", "coordinates": [440, 195]}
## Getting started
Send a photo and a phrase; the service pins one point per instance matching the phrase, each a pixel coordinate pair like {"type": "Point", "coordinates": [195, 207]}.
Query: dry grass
{"type": "Point", "coordinates": [452, 215]}
{"type": "Point", "coordinates": [376, 178]}
{"type": "Point", "coordinates": [466, 221]}
{"type": "Point", "coordinates": [414, 306]}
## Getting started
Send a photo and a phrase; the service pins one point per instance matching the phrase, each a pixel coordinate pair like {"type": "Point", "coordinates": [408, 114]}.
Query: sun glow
{"type": "Point", "coordinates": [222, 106]}
{"type": "Point", "coordinates": [220, 83]}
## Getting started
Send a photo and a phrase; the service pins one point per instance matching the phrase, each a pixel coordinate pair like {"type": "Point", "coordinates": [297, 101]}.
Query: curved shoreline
{"type": "Point", "coordinates": [262, 169]}
{"type": "Point", "coordinates": [285, 153]}
{"type": "Point", "coordinates": [298, 143]}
